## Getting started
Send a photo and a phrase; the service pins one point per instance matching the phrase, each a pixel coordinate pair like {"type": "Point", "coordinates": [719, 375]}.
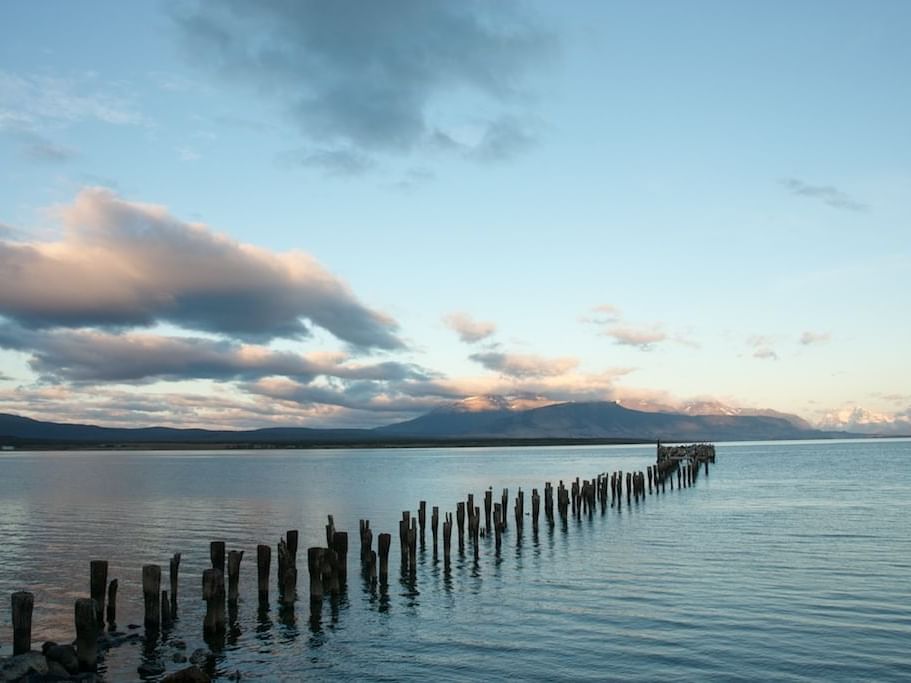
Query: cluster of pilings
{"type": "Point", "coordinates": [328, 565]}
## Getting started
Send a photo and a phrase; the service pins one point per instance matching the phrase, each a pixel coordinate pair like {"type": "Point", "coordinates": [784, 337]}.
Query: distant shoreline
{"type": "Point", "coordinates": [22, 445]}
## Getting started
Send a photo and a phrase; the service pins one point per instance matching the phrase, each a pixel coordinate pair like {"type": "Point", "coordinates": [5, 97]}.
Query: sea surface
{"type": "Point", "coordinates": [788, 562]}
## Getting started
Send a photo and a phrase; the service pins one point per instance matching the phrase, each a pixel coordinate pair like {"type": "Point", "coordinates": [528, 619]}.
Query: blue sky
{"type": "Point", "coordinates": [653, 202]}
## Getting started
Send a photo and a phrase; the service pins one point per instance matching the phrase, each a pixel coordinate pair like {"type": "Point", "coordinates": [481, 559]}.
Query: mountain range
{"type": "Point", "coordinates": [477, 419]}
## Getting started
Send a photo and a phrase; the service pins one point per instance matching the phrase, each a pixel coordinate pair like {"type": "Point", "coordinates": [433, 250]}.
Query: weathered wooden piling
{"type": "Point", "coordinates": [363, 526]}
{"type": "Point", "coordinates": [165, 610]}
{"type": "Point", "coordinates": [291, 539]}
{"type": "Point", "coordinates": [488, 508]}
{"type": "Point", "coordinates": [234, 559]}
{"type": "Point", "coordinates": [217, 555]}
{"type": "Point", "coordinates": [340, 546]}
{"type": "Point", "coordinates": [213, 592]}
{"type": "Point", "coordinates": [98, 584]}
{"type": "Point", "coordinates": [330, 531]}
{"type": "Point", "coordinates": [434, 525]}
{"type": "Point", "coordinates": [173, 574]}
{"type": "Point", "coordinates": [413, 547]}
{"type": "Point", "coordinates": [22, 604]}
{"type": "Point", "coordinates": [498, 526]}
{"type": "Point", "coordinates": [263, 566]}
{"type": "Point", "coordinates": [549, 501]}
{"type": "Point", "coordinates": [383, 543]}
{"type": "Point", "coordinates": [475, 532]}
{"type": "Point", "coordinates": [369, 556]}
{"type": "Point", "coordinates": [330, 572]}
{"type": "Point", "coordinates": [447, 539]}
{"type": "Point", "coordinates": [504, 507]}
{"type": "Point", "coordinates": [460, 520]}
{"type": "Point", "coordinates": [422, 518]}
{"type": "Point", "coordinates": [112, 604]}
{"type": "Point", "coordinates": [535, 507]}
{"type": "Point", "coordinates": [151, 593]}
{"type": "Point", "coordinates": [87, 633]}
{"type": "Point", "coordinates": [287, 570]}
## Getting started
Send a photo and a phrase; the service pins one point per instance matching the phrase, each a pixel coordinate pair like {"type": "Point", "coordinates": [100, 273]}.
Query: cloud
{"type": "Point", "coordinates": [122, 264]}
{"type": "Point", "coordinates": [643, 338]}
{"type": "Point", "coordinates": [372, 76]}
{"type": "Point", "coordinates": [37, 148]}
{"type": "Point", "coordinates": [188, 154]}
{"type": "Point", "coordinates": [808, 338]}
{"type": "Point", "coordinates": [335, 162]}
{"type": "Point", "coordinates": [502, 140]}
{"type": "Point", "coordinates": [604, 314]}
{"type": "Point", "coordinates": [827, 194]}
{"type": "Point", "coordinates": [522, 365]}
{"type": "Point", "coordinates": [469, 330]}
{"type": "Point", "coordinates": [763, 347]}
{"type": "Point", "coordinates": [30, 101]}
{"type": "Point", "coordinates": [95, 356]}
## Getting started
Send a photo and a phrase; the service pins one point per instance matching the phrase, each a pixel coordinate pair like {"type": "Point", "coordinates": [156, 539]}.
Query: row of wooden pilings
{"type": "Point", "coordinates": [328, 566]}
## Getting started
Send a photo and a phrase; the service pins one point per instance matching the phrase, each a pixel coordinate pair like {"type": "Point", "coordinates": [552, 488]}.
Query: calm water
{"type": "Point", "coordinates": [789, 562]}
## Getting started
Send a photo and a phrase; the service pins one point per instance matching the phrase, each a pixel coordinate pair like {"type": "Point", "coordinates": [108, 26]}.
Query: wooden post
{"type": "Point", "coordinates": [213, 592]}
{"type": "Point", "coordinates": [447, 539]}
{"type": "Point", "coordinates": [497, 524]}
{"type": "Point", "coordinates": [165, 610]}
{"type": "Point", "coordinates": [413, 547]}
{"type": "Point", "coordinates": [340, 546]}
{"type": "Point", "coordinates": [263, 566]}
{"type": "Point", "coordinates": [87, 633]}
{"type": "Point", "coordinates": [363, 525]}
{"type": "Point", "coordinates": [151, 592]}
{"type": "Point", "coordinates": [174, 571]}
{"type": "Point", "coordinates": [535, 507]}
{"type": "Point", "coordinates": [287, 572]}
{"type": "Point", "coordinates": [422, 518]}
{"type": "Point", "coordinates": [315, 557]}
{"type": "Point", "coordinates": [330, 531]}
{"type": "Point", "coordinates": [475, 532]}
{"type": "Point", "coordinates": [434, 524]}
{"type": "Point", "coordinates": [488, 508]}
{"type": "Point", "coordinates": [504, 507]}
{"type": "Point", "coordinates": [291, 538]}
{"type": "Point", "coordinates": [112, 604]}
{"type": "Point", "coordinates": [98, 583]}
{"type": "Point", "coordinates": [234, 559]}
{"type": "Point", "coordinates": [383, 543]}
{"type": "Point", "coordinates": [23, 603]}
{"type": "Point", "coordinates": [330, 571]}
{"type": "Point", "coordinates": [217, 555]}
{"type": "Point", "coordinates": [460, 520]}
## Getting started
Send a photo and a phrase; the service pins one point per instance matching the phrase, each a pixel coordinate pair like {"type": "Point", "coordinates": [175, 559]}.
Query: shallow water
{"type": "Point", "coordinates": [790, 561]}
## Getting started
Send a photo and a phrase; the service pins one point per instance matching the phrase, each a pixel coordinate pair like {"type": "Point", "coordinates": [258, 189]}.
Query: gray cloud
{"type": "Point", "coordinates": [763, 347]}
{"type": "Point", "coordinates": [827, 194]}
{"type": "Point", "coordinates": [123, 264]}
{"type": "Point", "coordinates": [28, 101]}
{"type": "Point", "coordinates": [368, 75]}
{"type": "Point", "coordinates": [643, 338]}
{"type": "Point", "coordinates": [521, 365]}
{"type": "Point", "coordinates": [94, 356]}
{"type": "Point", "coordinates": [336, 162]}
{"type": "Point", "coordinates": [37, 148]}
{"type": "Point", "coordinates": [808, 338]}
{"type": "Point", "coordinates": [469, 330]}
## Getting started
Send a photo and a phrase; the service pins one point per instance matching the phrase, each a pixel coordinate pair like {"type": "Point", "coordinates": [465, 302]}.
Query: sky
{"type": "Point", "coordinates": [230, 214]}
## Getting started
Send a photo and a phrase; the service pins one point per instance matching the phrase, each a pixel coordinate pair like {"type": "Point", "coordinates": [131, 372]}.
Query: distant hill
{"type": "Point", "coordinates": [598, 419]}
{"type": "Point", "coordinates": [19, 429]}
{"type": "Point", "coordinates": [487, 420]}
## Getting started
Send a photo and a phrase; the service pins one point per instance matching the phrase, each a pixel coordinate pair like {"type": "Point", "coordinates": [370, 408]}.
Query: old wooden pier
{"type": "Point", "coordinates": [327, 565]}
